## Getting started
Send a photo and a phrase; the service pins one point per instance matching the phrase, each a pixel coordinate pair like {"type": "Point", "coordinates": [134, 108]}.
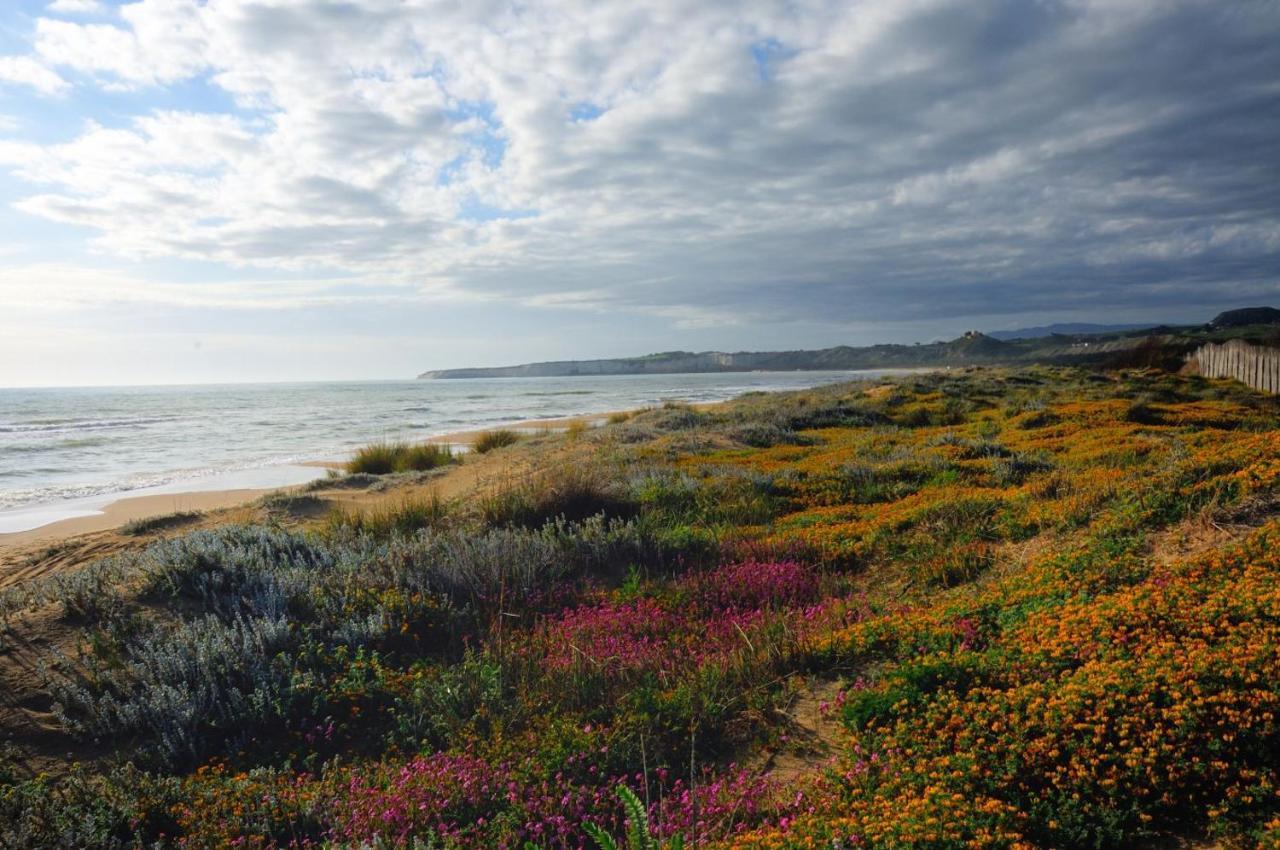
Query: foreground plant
{"type": "Point", "coordinates": [639, 835]}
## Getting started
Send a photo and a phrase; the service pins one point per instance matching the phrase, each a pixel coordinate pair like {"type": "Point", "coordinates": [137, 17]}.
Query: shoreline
{"type": "Point", "coordinates": [115, 510]}
{"type": "Point", "coordinates": [111, 515]}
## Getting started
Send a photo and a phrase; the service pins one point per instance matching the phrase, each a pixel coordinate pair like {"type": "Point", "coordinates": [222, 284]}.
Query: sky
{"type": "Point", "coordinates": [255, 190]}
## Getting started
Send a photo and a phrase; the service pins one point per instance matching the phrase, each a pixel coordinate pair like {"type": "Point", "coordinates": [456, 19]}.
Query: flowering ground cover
{"type": "Point", "coordinates": [1043, 608]}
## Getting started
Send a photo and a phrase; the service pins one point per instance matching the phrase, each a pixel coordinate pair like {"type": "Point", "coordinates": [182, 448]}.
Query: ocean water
{"type": "Point", "coordinates": [68, 452]}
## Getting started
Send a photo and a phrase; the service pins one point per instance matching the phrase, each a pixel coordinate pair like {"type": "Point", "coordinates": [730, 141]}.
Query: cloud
{"type": "Point", "coordinates": [25, 71]}
{"type": "Point", "coordinates": [52, 287]}
{"type": "Point", "coordinates": [707, 163]}
{"type": "Point", "coordinates": [75, 7]}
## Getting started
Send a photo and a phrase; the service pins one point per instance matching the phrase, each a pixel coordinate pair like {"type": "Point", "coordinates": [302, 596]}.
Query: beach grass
{"type": "Point", "coordinates": [496, 439]}
{"type": "Point", "coordinates": [386, 457]}
{"type": "Point", "coordinates": [398, 518]}
{"type": "Point", "coordinates": [151, 524]}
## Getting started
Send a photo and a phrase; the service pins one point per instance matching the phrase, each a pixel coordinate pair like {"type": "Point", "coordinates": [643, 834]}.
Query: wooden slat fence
{"type": "Point", "coordinates": [1255, 365]}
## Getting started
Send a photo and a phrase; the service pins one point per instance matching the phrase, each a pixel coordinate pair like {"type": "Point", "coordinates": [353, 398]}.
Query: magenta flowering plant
{"type": "Point", "coordinates": [447, 795]}
{"type": "Point", "coordinates": [468, 802]}
{"type": "Point", "coordinates": [710, 615]}
{"type": "Point", "coordinates": [754, 584]}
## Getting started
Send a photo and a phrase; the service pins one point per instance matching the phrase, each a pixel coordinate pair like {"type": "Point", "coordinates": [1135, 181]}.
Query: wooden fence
{"type": "Point", "coordinates": [1255, 365]}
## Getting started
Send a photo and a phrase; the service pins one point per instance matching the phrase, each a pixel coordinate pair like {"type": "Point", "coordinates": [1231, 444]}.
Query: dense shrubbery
{"type": "Point", "coordinates": [983, 568]}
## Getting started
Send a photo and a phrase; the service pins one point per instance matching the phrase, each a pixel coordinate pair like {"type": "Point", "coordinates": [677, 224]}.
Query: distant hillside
{"type": "Point", "coordinates": [1142, 345]}
{"type": "Point", "coordinates": [1065, 328]}
{"type": "Point", "coordinates": [971, 349]}
{"type": "Point", "coordinates": [1246, 316]}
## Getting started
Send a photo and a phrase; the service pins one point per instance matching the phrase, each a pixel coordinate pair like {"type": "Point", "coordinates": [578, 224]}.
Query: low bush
{"type": "Point", "coordinates": [762, 435]}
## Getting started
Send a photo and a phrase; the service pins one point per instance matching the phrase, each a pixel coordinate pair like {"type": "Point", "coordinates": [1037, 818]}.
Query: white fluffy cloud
{"type": "Point", "coordinates": [764, 160]}
{"type": "Point", "coordinates": [25, 71]}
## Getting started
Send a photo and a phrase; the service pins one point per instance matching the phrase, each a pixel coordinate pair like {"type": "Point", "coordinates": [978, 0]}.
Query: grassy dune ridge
{"type": "Point", "coordinates": [988, 608]}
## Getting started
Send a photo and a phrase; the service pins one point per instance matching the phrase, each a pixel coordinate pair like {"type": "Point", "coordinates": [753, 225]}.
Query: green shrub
{"type": "Point", "coordinates": [763, 435]}
{"type": "Point", "coordinates": [447, 700]}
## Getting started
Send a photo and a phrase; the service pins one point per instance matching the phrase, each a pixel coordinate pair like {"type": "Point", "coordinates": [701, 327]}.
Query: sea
{"type": "Point", "coordinates": [68, 452]}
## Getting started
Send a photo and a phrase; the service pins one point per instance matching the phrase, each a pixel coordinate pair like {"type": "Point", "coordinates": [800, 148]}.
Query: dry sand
{"type": "Point", "coordinates": [128, 509]}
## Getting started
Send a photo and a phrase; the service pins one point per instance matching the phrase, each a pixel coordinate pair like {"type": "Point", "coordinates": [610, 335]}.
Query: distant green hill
{"type": "Point", "coordinates": [1245, 317]}
{"type": "Point", "coordinates": [1162, 345]}
{"type": "Point", "coordinates": [1066, 328]}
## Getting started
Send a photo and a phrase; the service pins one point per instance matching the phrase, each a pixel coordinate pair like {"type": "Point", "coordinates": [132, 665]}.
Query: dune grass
{"type": "Point", "coordinates": [400, 518]}
{"type": "Point", "coordinates": [386, 457]}
{"type": "Point", "coordinates": [150, 524]}
{"type": "Point", "coordinates": [496, 439]}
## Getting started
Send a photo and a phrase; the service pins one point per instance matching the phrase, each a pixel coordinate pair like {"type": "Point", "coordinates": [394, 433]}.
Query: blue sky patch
{"type": "Point", "coordinates": [473, 209]}
{"type": "Point", "coordinates": [584, 111]}
{"type": "Point", "coordinates": [768, 53]}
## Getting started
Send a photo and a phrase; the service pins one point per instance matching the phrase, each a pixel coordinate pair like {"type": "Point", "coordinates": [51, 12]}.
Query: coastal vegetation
{"type": "Point", "coordinates": [147, 525]}
{"type": "Point", "coordinates": [384, 458]}
{"type": "Point", "coordinates": [496, 439]}
{"type": "Point", "coordinates": [980, 608]}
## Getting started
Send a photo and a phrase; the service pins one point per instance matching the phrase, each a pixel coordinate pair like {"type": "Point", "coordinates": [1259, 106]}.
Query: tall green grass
{"type": "Point", "coordinates": [383, 458]}
{"type": "Point", "coordinates": [496, 439]}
